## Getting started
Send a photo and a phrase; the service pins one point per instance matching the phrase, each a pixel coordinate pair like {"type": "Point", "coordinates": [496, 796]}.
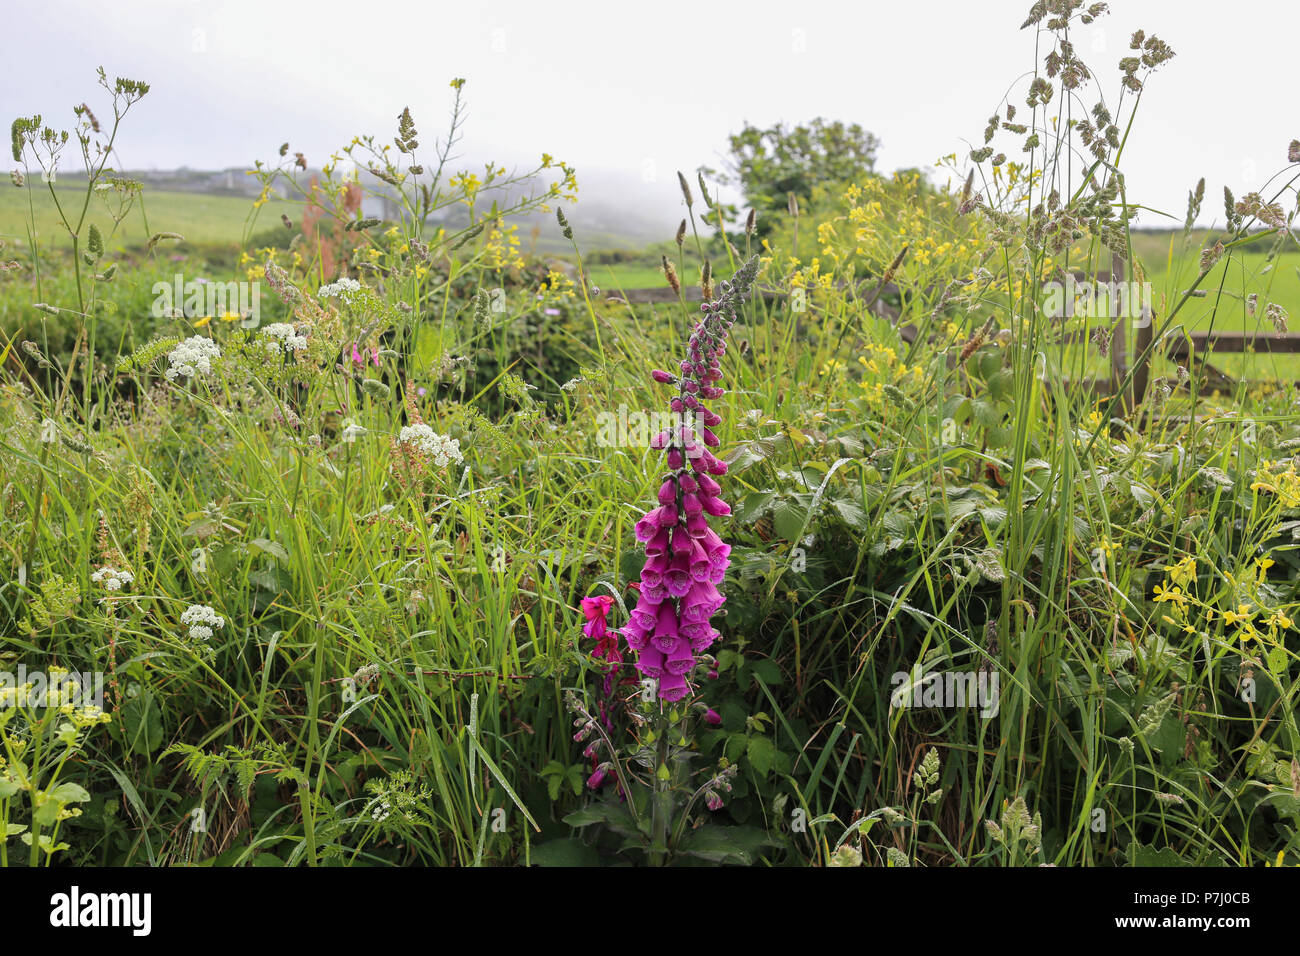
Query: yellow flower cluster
{"type": "Point", "coordinates": [1281, 481]}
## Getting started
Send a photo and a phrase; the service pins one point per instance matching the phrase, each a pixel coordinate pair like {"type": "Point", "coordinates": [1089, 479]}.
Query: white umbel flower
{"type": "Point", "coordinates": [339, 288]}
{"type": "Point", "coordinates": [282, 338]}
{"type": "Point", "coordinates": [202, 621]}
{"type": "Point", "coordinates": [111, 578]}
{"type": "Point", "coordinates": [192, 358]}
{"type": "Point", "coordinates": [441, 449]}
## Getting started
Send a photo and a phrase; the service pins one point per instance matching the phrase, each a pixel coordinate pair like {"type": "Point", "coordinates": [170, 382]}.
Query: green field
{"type": "Point", "coordinates": [199, 217]}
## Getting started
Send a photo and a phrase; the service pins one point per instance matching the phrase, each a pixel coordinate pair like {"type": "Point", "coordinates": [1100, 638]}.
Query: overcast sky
{"type": "Point", "coordinates": [641, 90]}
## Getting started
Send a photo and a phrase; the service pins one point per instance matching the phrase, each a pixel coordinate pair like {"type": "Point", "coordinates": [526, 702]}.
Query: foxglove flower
{"type": "Point", "coordinates": [686, 561]}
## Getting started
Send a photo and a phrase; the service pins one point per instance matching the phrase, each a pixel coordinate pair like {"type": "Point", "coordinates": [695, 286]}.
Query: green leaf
{"type": "Point", "coordinates": [1139, 855]}
{"type": "Point", "coordinates": [613, 815]}
{"type": "Point", "coordinates": [566, 851]}
{"type": "Point", "coordinates": [788, 519]}
{"type": "Point", "coordinates": [273, 548]}
{"type": "Point", "coordinates": [762, 754]}
{"type": "Point", "coordinates": [739, 845]}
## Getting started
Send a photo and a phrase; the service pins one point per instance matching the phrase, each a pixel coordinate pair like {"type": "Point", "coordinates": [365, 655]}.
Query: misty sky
{"type": "Point", "coordinates": [642, 90]}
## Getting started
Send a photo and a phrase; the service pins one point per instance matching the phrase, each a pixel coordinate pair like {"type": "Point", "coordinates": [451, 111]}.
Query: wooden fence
{"type": "Point", "coordinates": [1193, 348]}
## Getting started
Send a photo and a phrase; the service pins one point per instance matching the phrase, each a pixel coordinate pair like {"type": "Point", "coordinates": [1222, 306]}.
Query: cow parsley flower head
{"type": "Point", "coordinates": [282, 338]}
{"type": "Point", "coordinates": [440, 449]}
{"type": "Point", "coordinates": [202, 621]}
{"type": "Point", "coordinates": [192, 358]}
{"type": "Point", "coordinates": [111, 578]}
{"type": "Point", "coordinates": [342, 289]}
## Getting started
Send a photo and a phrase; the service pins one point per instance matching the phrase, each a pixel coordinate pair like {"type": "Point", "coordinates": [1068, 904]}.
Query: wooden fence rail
{"type": "Point", "coordinates": [1192, 347]}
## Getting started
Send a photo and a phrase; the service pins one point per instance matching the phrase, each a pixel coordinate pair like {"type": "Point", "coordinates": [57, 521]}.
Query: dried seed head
{"type": "Point", "coordinates": [750, 222]}
{"type": "Point", "coordinates": [681, 233]}
{"type": "Point", "coordinates": [686, 189]}
{"type": "Point", "coordinates": [670, 273]}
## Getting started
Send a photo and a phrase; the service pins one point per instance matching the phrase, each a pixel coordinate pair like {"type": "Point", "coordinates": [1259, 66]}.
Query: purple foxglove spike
{"type": "Point", "coordinates": [673, 687]}
{"type": "Point", "coordinates": [688, 483]}
{"type": "Point", "coordinates": [697, 526]}
{"type": "Point", "coordinates": [650, 661]}
{"type": "Point", "coordinates": [700, 566]}
{"type": "Point", "coordinates": [710, 439]}
{"type": "Point", "coordinates": [681, 541]}
{"type": "Point", "coordinates": [646, 613]}
{"type": "Point", "coordinates": [665, 636]}
{"type": "Point", "coordinates": [675, 459]}
{"type": "Point", "coordinates": [680, 659]}
{"type": "Point", "coordinates": [679, 576]}
{"type": "Point", "coordinates": [662, 377]}
{"type": "Point", "coordinates": [656, 595]}
{"type": "Point", "coordinates": [668, 492]}
{"type": "Point", "coordinates": [702, 641]}
{"type": "Point", "coordinates": [657, 544]}
{"type": "Point", "coordinates": [636, 637]}
{"type": "Point", "coordinates": [691, 506]}
{"type": "Point", "coordinates": [714, 506]}
{"type": "Point", "coordinates": [652, 572]}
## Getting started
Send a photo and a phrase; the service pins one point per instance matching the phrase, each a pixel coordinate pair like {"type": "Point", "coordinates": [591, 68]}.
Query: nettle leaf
{"type": "Point", "coordinates": [739, 845]}
{"type": "Point", "coordinates": [789, 519]}
{"type": "Point", "coordinates": [1139, 855]}
{"type": "Point", "coordinates": [851, 513]}
{"type": "Point", "coordinates": [762, 754]}
{"type": "Point", "coordinates": [754, 504]}
{"type": "Point", "coordinates": [273, 548]}
{"type": "Point", "coordinates": [751, 453]}
{"type": "Point", "coordinates": [613, 815]}
{"type": "Point", "coordinates": [566, 851]}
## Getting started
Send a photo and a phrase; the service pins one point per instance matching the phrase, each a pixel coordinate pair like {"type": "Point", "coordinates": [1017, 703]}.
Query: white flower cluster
{"type": "Point", "coordinates": [193, 357]}
{"type": "Point", "coordinates": [282, 338]}
{"type": "Point", "coordinates": [352, 431]}
{"type": "Point", "coordinates": [438, 447]}
{"type": "Point", "coordinates": [202, 620]}
{"type": "Point", "coordinates": [335, 289]}
{"type": "Point", "coordinates": [112, 579]}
